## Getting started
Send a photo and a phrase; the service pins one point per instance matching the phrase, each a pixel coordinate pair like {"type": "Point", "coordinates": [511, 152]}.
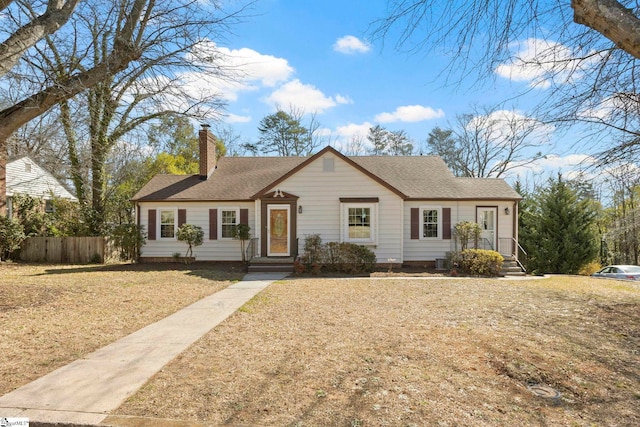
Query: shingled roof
{"type": "Point", "coordinates": [244, 178]}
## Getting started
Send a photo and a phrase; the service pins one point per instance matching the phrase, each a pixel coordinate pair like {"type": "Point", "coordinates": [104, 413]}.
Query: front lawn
{"type": "Point", "coordinates": [51, 315]}
{"type": "Point", "coordinates": [412, 352]}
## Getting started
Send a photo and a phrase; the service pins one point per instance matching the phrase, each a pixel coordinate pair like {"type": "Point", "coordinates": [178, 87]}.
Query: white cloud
{"type": "Point", "coordinates": [501, 126]}
{"type": "Point", "coordinates": [343, 99]}
{"type": "Point", "coordinates": [353, 129]}
{"type": "Point", "coordinates": [570, 166]}
{"type": "Point", "coordinates": [542, 62]}
{"type": "Point", "coordinates": [306, 97]}
{"type": "Point", "coordinates": [352, 138]}
{"type": "Point", "coordinates": [622, 103]}
{"type": "Point", "coordinates": [410, 113]}
{"type": "Point", "coordinates": [351, 45]}
{"type": "Point", "coordinates": [244, 69]}
{"type": "Point", "coordinates": [234, 118]}
{"type": "Point", "coordinates": [555, 162]}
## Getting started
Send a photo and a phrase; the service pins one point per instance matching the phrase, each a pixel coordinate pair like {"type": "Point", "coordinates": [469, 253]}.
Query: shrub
{"type": "Point", "coordinates": [29, 211]}
{"type": "Point", "coordinates": [478, 262]}
{"type": "Point", "coordinates": [192, 235]}
{"type": "Point", "coordinates": [590, 268]}
{"type": "Point", "coordinates": [333, 256]}
{"type": "Point", "coordinates": [242, 232]}
{"type": "Point", "coordinates": [466, 231]}
{"type": "Point", "coordinates": [313, 249]}
{"type": "Point", "coordinates": [340, 257]}
{"type": "Point", "coordinates": [128, 239]}
{"type": "Point", "coordinates": [11, 236]}
{"type": "Point", "coordinates": [357, 259]}
{"type": "Point", "coordinates": [298, 266]}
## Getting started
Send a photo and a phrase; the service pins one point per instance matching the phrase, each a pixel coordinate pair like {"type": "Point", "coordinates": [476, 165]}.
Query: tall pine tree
{"type": "Point", "coordinates": [563, 234]}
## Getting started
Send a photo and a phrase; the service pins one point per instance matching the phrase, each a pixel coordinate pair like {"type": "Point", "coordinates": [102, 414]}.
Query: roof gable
{"type": "Point", "coordinates": [318, 155]}
{"type": "Point", "coordinates": [250, 178]}
{"type": "Point", "coordinates": [26, 176]}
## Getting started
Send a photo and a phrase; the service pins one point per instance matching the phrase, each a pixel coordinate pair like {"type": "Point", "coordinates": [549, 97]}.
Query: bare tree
{"type": "Point", "coordinates": [355, 146]}
{"type": "Point", "coordinates": [231, 139]}
{"type": "Point", "coordinates": [488, 143]}
{"type": "Point", "coordinates": [174, 47]}
{"type": "Point", "coordinates": [126, 47]}
{"type": "Point", "coordinates": [621, 221]}
{"type": "Point", "coordinates": [20, 39]}
{"type": "Point", "coordinates": [589, 69]}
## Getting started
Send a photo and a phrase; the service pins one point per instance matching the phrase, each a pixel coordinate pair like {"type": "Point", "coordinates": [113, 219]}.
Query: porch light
{"type": "Point", "coordinates": [506, 210]}
{"type": "Point", "coordinates": [300, 209]}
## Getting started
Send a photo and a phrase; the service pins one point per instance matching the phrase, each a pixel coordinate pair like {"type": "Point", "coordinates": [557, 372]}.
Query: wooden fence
{"type": "Point", "coordinates": [67, 250]}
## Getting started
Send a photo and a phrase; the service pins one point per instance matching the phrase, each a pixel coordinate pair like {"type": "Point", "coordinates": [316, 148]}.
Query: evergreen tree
{"type": "Point", "coordinates": [385, 142]}
{"type": "Point", "coordinates": [378, 138]}
{"type": "Point", "coordinates": [283, 134]}
{"type": "Point", "coordinates": [563, 230]}
{"type": "Point", "coordinates": [526, 224]}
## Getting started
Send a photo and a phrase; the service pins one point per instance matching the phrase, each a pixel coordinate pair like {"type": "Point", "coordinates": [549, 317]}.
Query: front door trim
{"type": "Point", "coordinates": [278, 226]}
{"type": "Point", "coordinates": [280, 198]}
{"type": "Point", "coordinates": [494, 238]}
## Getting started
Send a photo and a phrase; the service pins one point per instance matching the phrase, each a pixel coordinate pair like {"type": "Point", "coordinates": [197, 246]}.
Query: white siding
{"type": "Point", "coordinates": [429, 250]}
{"type": "Point", "coordinates": [197, 214]}
{"type": "Point", "coordinates": [319, 190]}
{"type": "Point", "coordinates": [24, 176]}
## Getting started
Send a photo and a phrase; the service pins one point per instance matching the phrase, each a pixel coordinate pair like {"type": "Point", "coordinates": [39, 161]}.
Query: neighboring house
{"type": "Point", "coordinates": [402, 207]}
{"type": "Point", "coordinates": [25, 176]}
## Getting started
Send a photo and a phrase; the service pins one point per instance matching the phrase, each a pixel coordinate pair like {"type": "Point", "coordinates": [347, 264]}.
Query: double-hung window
{"type": "Point", "coordinates": [229, 218]}
{"type": "Point", "coordinates": [359, 222]}
{"type": "Point", "coordinates": [431, 222]}
{"type": "Point", "coordinates": [167, 224]}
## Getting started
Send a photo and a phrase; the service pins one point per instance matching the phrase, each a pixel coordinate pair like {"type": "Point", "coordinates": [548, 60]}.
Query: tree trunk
{"type": "Point", "coordinates": [126, 48]}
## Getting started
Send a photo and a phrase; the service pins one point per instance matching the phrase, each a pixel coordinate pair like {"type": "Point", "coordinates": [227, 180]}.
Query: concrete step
{"type": "Point", "coordinates": [270, 269]}
{"type": "Point", "coordinates": [263, 265]}
{"type": "Point", "coordinates": [510, 267]}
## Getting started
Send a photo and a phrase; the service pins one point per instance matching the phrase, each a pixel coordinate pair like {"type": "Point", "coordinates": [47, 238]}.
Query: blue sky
{"type": "Point", "coordinates": [316, 56]}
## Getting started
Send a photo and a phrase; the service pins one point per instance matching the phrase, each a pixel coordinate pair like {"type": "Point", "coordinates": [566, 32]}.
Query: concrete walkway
{"type": "Point", "coordinates": [85, 391]}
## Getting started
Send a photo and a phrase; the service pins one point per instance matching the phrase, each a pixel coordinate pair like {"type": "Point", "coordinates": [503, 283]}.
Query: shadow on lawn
{"type": "Point", "coordinates": [208, 270]}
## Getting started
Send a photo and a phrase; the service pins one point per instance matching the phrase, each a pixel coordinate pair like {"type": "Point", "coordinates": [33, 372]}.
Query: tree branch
{"type": "Point", "coordinates": [11, 50]}
{"type": "Point", "coordinates": [124, 51]}
{"type": "Point", "coordinates": [612, 20]}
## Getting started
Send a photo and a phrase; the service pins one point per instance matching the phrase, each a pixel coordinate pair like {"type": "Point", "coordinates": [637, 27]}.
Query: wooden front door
{"type": "Point", "coordinates": [279, 220]}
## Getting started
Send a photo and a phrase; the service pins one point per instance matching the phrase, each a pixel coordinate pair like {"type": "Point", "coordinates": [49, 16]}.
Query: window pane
{"type": "Point", "coordinates": [359, 223]}
{"type": "Point", "coordinates": [430, 223]}
{"type": "Point", "coordinates": [167, 222]}
{"type": "Point", "coordinates": [228, 222]}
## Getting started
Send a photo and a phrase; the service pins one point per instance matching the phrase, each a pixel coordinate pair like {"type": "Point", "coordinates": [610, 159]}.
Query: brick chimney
{"type": "Point", "coordinates": [207, 151]}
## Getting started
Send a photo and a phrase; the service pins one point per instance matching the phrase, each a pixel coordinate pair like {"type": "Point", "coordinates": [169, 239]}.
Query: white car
{"type": "Point", "coordinates": [623, 272]}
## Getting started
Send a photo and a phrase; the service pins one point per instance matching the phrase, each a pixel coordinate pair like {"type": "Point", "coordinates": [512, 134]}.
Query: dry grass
{"type": "Point", "coordinates": [341, 352]}
{"type": "Point", "coordinates": [52, 315]}
{"type": "Point", "coordinates": [392, 352]}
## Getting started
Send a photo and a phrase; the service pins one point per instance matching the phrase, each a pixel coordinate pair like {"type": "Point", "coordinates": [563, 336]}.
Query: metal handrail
{"type": "Point", "coordinates": [517, 257]}
{"type": "Point", "coordinates": [520, 256]}
{"type": "Point", "coordinates": [251, 250]}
